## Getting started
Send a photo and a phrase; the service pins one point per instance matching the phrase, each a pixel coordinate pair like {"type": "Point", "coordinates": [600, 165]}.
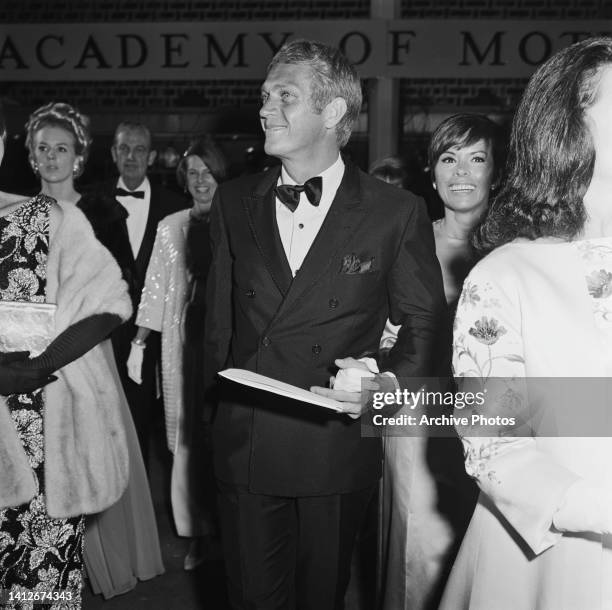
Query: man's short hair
{"type": "Point", "coordinates": [333, 76]}
{"type": "Point", "coordinates": [132, 126]}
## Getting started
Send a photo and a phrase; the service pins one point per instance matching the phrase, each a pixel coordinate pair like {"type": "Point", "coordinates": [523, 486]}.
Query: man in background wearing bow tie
{"type": "Point", "coordinates": [302, 282]}
{"type": "Point", "coordinates": [142, 205]}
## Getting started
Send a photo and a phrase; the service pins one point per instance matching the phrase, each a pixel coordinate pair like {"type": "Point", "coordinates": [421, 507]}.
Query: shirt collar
{"type": "Point", "coordinates": [145, 186]}
{"type": "Point", "coordinates": [332, 176]}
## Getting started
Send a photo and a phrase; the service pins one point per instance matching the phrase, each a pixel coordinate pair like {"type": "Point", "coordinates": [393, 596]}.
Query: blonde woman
{"type": "Point", "coordinates": [121, 543]}
{"type": "Point", "coordinates": [63, 449]}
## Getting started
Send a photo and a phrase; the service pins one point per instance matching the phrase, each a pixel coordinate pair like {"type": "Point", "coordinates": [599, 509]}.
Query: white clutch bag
{"type": "Point", "coordinates": [26, 326]}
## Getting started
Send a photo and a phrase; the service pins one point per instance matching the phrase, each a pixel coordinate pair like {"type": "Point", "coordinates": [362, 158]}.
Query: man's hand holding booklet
{"type": "Point", "coordinates": [343, 395]}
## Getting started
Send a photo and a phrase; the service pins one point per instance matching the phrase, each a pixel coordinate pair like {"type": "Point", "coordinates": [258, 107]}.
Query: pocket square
{"type": "Point", "coordinates": [353, 265]}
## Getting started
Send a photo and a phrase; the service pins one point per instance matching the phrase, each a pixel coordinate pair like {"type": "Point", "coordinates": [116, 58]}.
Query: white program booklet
{"type": "Point", "coordinates": [261, 382]}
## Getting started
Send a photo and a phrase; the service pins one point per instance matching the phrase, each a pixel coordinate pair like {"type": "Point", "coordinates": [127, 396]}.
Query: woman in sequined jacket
{"type": "Point", "coordinates": [173, 303]}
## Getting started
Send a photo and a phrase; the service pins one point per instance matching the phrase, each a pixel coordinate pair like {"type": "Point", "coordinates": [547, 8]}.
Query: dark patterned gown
{"type": "Point", "coordinates": [40, 557]}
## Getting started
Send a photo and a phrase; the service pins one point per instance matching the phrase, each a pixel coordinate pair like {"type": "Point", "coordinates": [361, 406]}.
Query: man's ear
{"type": "Point", "coordinates": [334, 111]}
{"type": "Point", "coordinates": [151, 158]}
{"type": "Point", "coordinates": [113, 154]}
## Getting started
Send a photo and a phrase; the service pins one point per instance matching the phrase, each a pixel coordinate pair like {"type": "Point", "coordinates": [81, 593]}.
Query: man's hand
{"type": "Point", "coordinates": [354, 377]}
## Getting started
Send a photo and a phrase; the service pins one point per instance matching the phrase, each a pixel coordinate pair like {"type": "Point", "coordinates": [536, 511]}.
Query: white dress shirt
{"type": "Point", "coordinates": [298, 229]}
{"type": "Point", "coordinates": [138, 213]}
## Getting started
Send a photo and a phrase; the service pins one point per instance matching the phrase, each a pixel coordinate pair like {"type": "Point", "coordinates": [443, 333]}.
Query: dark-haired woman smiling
{"type": "Point", "coordinates": [426, 499]}
{"type": "Point", "coordinates": [465, 159]}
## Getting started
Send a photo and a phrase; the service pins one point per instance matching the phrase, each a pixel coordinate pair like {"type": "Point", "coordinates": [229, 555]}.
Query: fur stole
{"type": "Point", "coordinates": [86, 459]}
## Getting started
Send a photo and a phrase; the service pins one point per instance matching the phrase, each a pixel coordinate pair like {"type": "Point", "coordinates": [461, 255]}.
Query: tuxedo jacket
{"type": "Point", "coordinates": [108, 218]}
{"type": "Point", "coordinates": [109, 221]}
{"type": "Point", "coordinates": [373, 258]}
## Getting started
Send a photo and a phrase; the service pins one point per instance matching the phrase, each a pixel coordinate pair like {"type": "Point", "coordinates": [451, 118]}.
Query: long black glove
{"type": "Point", "coordinates": [69, 345]}
{"type": "Point", "coordinates": [15, 380]}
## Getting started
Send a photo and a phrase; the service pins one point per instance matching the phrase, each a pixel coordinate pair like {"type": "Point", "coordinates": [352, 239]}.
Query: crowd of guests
{"type": "Point", "coordinates": [334, 280]}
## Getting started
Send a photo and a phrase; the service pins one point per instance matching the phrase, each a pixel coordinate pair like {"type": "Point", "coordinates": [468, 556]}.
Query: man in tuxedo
{"type": "Point", "coordinates": [142, 205]}
{"type": "Point", "coordinates": [302, 281]}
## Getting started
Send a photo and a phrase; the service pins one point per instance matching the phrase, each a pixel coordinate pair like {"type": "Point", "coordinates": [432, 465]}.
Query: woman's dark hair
{"type": "Point", "coordinates": [205, 148]}
{"type": "Point", "coordinates": [551, 156]}
{"type": "Point", "coordinates": [464, 130]}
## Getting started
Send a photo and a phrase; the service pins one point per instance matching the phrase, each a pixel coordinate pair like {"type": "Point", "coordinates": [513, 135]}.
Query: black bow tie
{"type": "Point", "coordinates": [119, 192]}
{"type": "Point", "coordinates": [290, 194]}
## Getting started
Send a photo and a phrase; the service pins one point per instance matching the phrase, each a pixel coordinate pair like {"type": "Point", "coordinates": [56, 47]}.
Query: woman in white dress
{"type": "Point", "coordinates": [540, 306]}
{"type": "Point", "coordinates": [173, 303]}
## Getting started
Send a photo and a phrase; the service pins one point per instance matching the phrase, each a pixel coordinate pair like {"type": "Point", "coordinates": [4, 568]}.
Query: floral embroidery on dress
{"type": "Point", "coordinates": [487, 356]}
{"type": "Point", "coordinates": [596, 255]}
{"type": "Point", "coordinates": [26, 228]}
{"type": "Point", "coordinates": [5, 540]}
{"type": "Point", "coordinates": [41, 266]}
{"type": "Point", "coordinates": [512, 402]}
{"type": "Point", "coordinates": [22, 285]}
{"type": "Point", "coordinates": [469, 295]}
{"type": "Point", "coordinates": [593, 250]}
{"type": "Point", "coordinates": [37, 553]}
{"type": "Point", "coordinates": [477, 459]}
{"type": "Point", "coordinates": [599, 284]}
{"type": "Point", "coordinates": [30, 427]}
{"type": "Point", "coordinates": [42, 533]}
{"type": "Point", "coordinates": [487, 330]}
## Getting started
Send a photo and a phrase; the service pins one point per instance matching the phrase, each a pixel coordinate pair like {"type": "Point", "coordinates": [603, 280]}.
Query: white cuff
{"type": "Point", "coordinates": [585, 508]}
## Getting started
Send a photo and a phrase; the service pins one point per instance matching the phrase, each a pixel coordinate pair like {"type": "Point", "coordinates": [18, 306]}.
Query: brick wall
{"type": "Point", "coordinates": [490, 95]}
{"type": "Point", "coordinates": [75, 11]}
{"type": "Point", "coordinates": [139, 95]}
{"type": "Point", "coordinates": [506, 9]}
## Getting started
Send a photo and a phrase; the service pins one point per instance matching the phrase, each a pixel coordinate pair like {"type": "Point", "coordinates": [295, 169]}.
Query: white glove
{"type": "Point", "coordinates": [586, 508]}
{"type": "Point", "coordinates": [134, 363]}
{"type": "Point", "coordinates": [349, 380]}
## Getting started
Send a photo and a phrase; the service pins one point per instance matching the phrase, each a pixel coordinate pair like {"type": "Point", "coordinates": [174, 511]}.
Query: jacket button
{"type": "Point", "coordinates": [266, 341]}
{"type": "Point", "coordinates": [250, 293]}
{"type": "Point", "coordinates": [333, 303]}
{"type": "Point", "coordinates": [316, 349]}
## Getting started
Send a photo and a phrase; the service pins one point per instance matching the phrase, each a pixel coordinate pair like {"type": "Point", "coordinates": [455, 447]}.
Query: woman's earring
{"type": "Point", "coordinates": [77, 167]}
{"type": "Point", "coordinates": [435, 186]}
{"type": "Point", "coordinates": [34, 167]}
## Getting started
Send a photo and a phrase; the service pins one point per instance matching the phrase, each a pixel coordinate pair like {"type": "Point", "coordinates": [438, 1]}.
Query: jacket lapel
{"type": "Point", "coordinates": [260, 209]}
{"type": "Point", "coordinates": [146, 246]}
{"type": "Point", "coordinates": [109, 189]}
